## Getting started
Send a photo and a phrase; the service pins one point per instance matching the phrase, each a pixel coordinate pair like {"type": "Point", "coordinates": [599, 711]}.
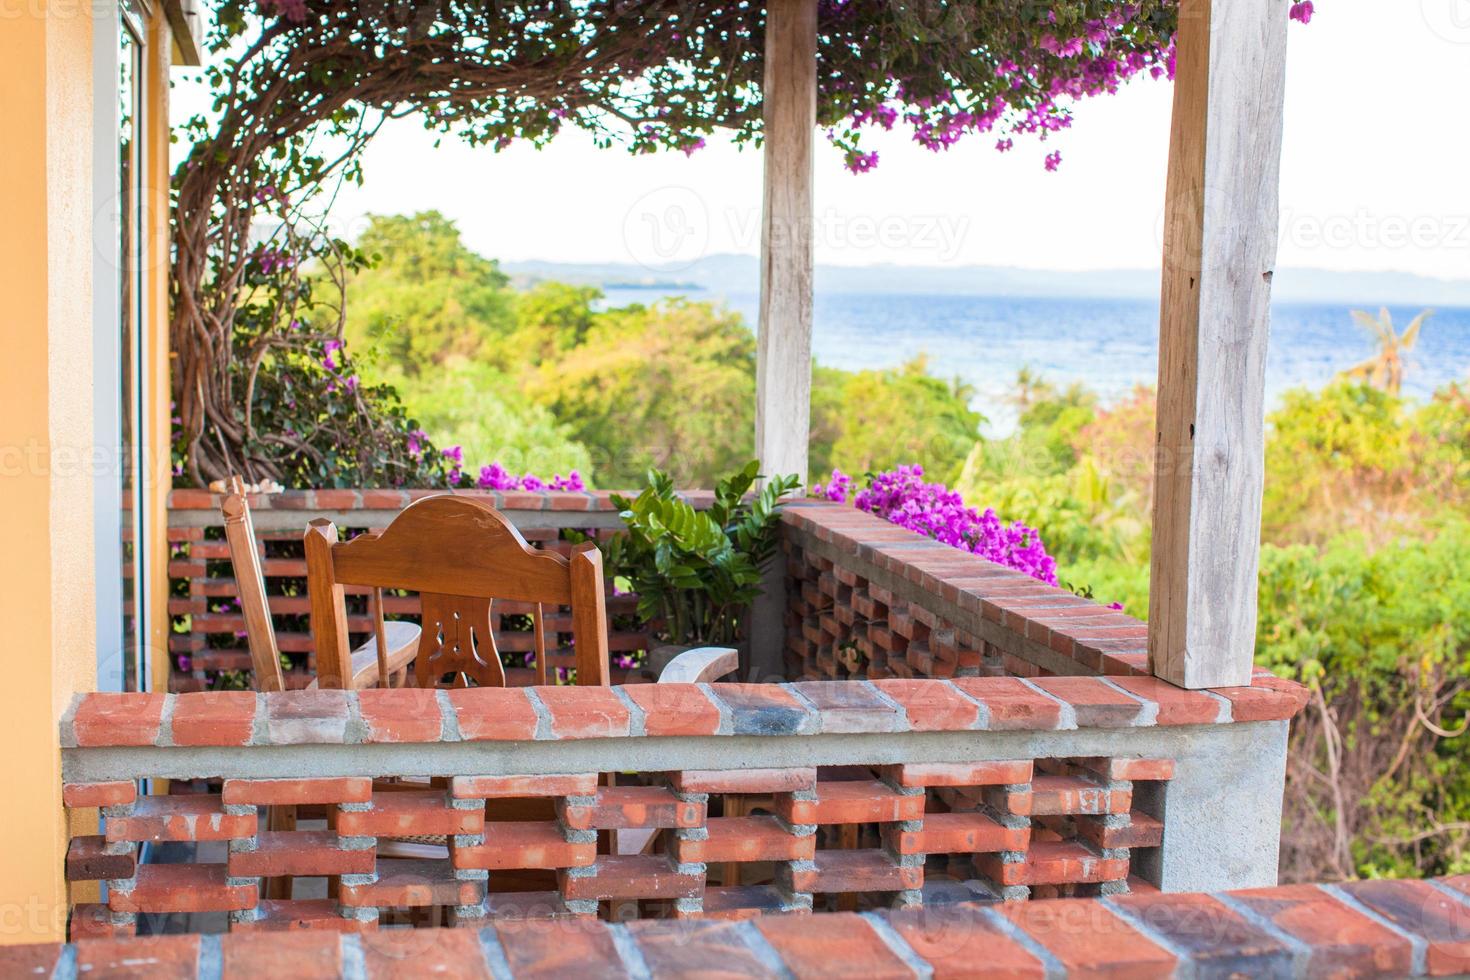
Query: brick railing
{"type": "Point", "coordinates": [864, 793]}
{"type": "Point", "coordinates": [208, 627]}
{"type": "Point", "coordinates": [1360, 929]}
{"type": "Point", "coordinates": [869, 599]}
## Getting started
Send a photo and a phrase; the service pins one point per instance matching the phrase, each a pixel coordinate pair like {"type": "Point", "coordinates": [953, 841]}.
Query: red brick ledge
{"type": "Point", "coordinates": [1362, 929]}
{"type": "Point", "coordinates": [235, 718]}
{"type": "Point", "coordinates": [957, 586]}
{"type": "Point", "coordinates": [396, 500]}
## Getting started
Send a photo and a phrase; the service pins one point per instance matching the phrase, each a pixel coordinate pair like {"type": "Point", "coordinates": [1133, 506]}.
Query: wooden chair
{"type": "Point", "coordinates": [459, 555]}
{"type": "Point", "coordinates": [397, 642]}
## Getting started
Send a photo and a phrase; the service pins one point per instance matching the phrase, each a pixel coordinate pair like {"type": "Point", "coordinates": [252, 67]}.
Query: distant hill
{"type": "Point", "coordinates": [740, 274]}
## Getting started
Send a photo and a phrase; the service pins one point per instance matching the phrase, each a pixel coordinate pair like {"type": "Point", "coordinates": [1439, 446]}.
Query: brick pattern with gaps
{"type": "Point", "coordinates": [937, 611]}
{"type": "Point", "coordinates": [684, 844]}
{"type": "Point", "coordinates": [208, 627]}
{"type": "Point", "coordinates": [840, 626]}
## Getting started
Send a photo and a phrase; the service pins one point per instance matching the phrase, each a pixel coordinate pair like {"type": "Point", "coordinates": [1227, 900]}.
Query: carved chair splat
{"type": "Point", "coordinates": [460, 555]}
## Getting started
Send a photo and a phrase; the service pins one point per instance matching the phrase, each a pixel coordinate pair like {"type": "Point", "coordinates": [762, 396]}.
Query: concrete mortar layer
{"type": "Point", "coordinates": [666, 753]}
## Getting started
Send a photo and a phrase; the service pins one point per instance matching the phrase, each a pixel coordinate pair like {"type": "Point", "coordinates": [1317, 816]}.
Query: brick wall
{"type": "Point", "coordinates": [1358, 929]}
{"type": "Point", "coordinates": [869, 599]}
{"type": "Point", "coordinates": [933, 791]}
{"type": "Point", "coordinates": [953, 730]}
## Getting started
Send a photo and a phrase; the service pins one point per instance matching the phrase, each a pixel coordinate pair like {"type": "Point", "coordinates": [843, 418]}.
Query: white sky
{"type": "Point", "coordinates": [1375, 174]}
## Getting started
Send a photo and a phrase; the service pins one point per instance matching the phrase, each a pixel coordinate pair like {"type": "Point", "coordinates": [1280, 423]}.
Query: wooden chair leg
{"type": "Point", "coordinates": [735, 806]}
{"type": "Point", "coordinates": [847, 840]}
{"type": "Point", "coordinates": [279, 818]}
{"type": "Point", "coordinates": [333, 882]}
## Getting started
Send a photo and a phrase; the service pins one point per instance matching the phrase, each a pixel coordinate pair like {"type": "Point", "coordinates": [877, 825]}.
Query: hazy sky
{"type": "Point", "coordinates": [1375, 175]}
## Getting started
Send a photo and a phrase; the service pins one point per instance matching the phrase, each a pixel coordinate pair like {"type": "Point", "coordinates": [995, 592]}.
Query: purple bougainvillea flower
{"type": "Point", "coordinates": [902, 497]}
{"type": "Point", "coordinates": [495, 477]}
{"type": "Point", "coordinates": [416, 440]}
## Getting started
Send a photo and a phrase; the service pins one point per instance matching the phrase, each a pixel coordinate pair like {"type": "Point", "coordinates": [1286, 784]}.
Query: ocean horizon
{"type": "Point", "coordinates": [1110, 345]}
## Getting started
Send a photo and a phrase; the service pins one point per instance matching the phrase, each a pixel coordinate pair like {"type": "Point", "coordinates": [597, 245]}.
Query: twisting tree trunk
{"type": "Point", "coordinates": [331, 83]}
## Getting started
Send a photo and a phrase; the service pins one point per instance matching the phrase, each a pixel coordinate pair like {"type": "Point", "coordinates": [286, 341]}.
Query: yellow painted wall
{"type": "Point", "coordinates": [46, 439]}
{"type": "Point", "coordinates": [47, 577]}
{"type": "Point", "coordinates": [157, 411]}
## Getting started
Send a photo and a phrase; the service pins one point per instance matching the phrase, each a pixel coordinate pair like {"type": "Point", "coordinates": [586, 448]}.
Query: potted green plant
{"type": "Point", "coordinates": [697, 571]}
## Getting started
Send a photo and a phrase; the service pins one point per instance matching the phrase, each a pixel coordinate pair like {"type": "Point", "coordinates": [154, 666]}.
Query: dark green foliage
{"type": "Point", "coordinates": [1381, 629]}
{"type": "Point", "coordinates": [698, 571]}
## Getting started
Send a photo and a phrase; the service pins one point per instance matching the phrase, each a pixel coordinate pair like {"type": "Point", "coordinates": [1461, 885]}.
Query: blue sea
{"type": "Point", "coordinates": [1108, 344]}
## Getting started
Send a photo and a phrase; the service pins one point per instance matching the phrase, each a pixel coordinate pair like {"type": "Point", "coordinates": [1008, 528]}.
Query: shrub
{"type": "Point", "coordinates": [698, 571]}
{"type": "Point", "coordinates": [1378, 781]}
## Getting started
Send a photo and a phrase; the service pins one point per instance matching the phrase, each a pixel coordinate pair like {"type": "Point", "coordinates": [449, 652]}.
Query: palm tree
{"type": "Point", "coordinates": [1030, 388]}
{"type": "Point", "coordinates": [1385, 369]}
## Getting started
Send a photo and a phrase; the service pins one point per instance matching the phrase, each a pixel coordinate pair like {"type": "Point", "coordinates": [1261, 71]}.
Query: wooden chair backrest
{"type": "Point", "coordinates": [260, 633]}
{"type": "Point", "coordinates": [459, 554]}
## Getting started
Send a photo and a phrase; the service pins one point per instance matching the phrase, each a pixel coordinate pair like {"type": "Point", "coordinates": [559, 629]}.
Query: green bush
{"type": "Point", "coordinates": [472, 404]}
{"type": "Point", "coordinates": [1381, 631]}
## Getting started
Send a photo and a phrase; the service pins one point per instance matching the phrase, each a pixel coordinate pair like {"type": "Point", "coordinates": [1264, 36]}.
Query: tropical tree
{"type": "Point", "coordinates": [552, 318]}
{"type": "Point", "coordinates": [669, 386]}
{"type": "Point", "coordinates": [1385, 369]}
{"type": "Point", "coordinates": [1029, 388]}
{"type": "Point", "coordinates": [864, 421]}
{"type": "Point", "coordinates": [427, 299]}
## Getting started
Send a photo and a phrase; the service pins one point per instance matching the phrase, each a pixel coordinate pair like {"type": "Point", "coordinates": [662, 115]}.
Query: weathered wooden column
{"type": "Point", "coordinates": [783, 372]}
{"type": "Point", "coordinates": [784, 346]}
{"type": "Point", "coordinates": [1220, 231]}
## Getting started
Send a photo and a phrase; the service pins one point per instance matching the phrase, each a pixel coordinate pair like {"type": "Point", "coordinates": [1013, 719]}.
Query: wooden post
{"type": "Point", "coordinates": [1220, 231]}
{"type": "Point", "coordinates": [784, 346]}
